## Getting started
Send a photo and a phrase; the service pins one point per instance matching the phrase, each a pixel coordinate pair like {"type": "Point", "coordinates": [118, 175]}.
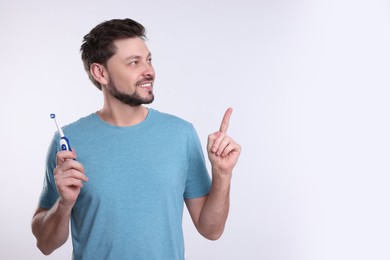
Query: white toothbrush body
{"type": "Point", "coordinates": [64, 141]}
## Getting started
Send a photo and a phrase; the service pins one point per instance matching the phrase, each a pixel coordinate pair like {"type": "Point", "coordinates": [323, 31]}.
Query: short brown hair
{"type": "Point", "coordinates": [98, 45]}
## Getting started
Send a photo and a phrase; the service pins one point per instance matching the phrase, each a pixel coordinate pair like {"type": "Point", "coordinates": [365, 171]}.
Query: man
{"type": "Point", "coordinates": [141, 164]}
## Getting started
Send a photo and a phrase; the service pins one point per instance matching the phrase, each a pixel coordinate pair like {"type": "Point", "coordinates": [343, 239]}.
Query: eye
{"type": "Point", "coordinates": [134, 62]}
{"type": "Point", "coordinates": [150, 60]}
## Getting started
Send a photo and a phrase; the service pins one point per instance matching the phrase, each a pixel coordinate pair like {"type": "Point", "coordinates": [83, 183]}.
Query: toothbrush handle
{"type": "Point", "coordinates": [64, 143]}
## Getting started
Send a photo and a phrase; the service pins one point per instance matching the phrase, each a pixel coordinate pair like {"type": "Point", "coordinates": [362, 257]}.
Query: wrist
{"type": "Point", "coordinates": [63, 207]}
{"type": "Point", "coordinates": [221, 173]}
{"type": "Point", "coordinates": [221, 178]}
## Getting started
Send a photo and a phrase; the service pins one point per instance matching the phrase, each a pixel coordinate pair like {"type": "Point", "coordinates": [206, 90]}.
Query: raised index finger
{"type": "Point", "coordinates": [225, 120]}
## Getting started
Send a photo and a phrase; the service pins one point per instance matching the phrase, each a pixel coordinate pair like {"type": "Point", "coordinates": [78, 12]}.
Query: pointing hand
{"type": "Point", "coordinates": [223, 151]}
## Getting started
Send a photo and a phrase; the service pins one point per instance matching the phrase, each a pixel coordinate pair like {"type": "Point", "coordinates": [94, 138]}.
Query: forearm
{"type": "Point", "coordinates": [216, 208]}
{"type": "Point", "coordinates": [51, 228]}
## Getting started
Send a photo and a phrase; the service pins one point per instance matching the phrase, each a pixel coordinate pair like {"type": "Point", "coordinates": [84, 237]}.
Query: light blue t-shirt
{"type": "Point", "coordinates": [132, 205]}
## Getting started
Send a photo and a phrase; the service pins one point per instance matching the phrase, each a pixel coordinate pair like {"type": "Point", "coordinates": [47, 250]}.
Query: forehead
{"type": "Point", "coordinates": [131, 47]}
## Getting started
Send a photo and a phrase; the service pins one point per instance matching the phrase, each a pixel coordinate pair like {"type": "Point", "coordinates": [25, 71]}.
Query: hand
{"type": "Point", "coordinates": [223, 151]}
{"type": "Point", "coordinates": [69, 176]}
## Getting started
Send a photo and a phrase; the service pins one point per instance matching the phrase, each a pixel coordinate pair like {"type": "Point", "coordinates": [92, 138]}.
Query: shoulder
{"type": "Point", "coordinates": [169, 119]}
{"type": "Point", "coordinates": [164, 122]}
{"type": "Point", "coordinates": [81, 123]}
{"type": "Point", "coordinates": [86, 124]}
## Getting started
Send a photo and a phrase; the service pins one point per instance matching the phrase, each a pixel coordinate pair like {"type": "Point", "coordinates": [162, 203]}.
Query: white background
{"type": "Point", "coordinates": [309, 84]}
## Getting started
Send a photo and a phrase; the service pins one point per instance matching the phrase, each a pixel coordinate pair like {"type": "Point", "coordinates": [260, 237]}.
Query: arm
{"type": "Point", "coordinates": [51, 226]}
{"type": "Point", "coordinates": [209, 213]}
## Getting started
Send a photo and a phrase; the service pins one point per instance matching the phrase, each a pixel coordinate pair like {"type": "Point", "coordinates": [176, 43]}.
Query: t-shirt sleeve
{"type": "Point", "coordinates": [49, 194]}
{"type": "Point", "coordinates": [198, 181]}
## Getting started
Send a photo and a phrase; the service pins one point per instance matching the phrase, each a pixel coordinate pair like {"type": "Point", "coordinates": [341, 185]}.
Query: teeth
{"type": "Point", "coordinates": [146, 84]}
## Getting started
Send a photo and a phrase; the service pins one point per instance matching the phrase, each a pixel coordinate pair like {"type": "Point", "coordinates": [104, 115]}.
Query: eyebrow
{"type": "Point", "coordinates": [136, 57]}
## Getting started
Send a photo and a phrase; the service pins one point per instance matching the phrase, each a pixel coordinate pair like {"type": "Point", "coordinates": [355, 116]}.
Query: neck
{"type": "Point", "coordinates": [119, 114]}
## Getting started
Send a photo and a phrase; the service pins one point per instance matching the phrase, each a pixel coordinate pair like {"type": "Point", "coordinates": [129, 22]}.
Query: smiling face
{"type": "Point", "coordinates": [130, 72]}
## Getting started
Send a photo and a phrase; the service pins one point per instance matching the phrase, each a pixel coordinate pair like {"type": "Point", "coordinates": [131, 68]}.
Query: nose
{"type": "Point", "coordinates": [148, 70]}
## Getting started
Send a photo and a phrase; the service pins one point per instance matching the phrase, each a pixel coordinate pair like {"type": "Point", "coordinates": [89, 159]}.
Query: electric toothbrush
{"type": "Point", "coordinates": [64, 141]}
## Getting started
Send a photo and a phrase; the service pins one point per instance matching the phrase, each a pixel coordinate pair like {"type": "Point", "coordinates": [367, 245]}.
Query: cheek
{"type": "Point", "coordinates": [125, 79]}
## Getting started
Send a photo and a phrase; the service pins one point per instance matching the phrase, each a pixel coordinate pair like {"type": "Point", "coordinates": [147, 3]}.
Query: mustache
{"type": "Point", "coordinates": [145, 79]}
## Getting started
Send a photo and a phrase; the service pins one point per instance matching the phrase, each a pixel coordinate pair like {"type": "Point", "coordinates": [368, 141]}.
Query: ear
{"type": "Point", "coordinates": [99, 73]}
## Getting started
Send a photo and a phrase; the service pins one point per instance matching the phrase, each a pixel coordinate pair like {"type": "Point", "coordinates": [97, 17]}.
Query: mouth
{"type": "Point", "coordinates": [148, 84]}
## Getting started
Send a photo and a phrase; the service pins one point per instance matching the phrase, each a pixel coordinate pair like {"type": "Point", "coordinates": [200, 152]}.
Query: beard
{"type": "Point", "coordinates": [132, 100]}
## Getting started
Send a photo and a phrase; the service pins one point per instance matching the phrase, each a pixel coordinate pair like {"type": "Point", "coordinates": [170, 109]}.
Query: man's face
{"type": "Point", "coordinates": [131, 74]}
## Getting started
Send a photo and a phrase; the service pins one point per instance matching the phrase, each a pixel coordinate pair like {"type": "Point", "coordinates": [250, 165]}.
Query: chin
{"type": "Point", "coordinates": [149, 101]}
